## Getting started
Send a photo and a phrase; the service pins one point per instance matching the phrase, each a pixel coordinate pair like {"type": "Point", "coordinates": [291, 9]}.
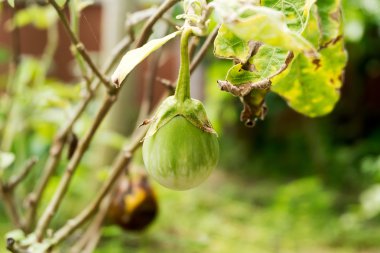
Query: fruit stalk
{"type": "Point", "coordinates": [182, 91]}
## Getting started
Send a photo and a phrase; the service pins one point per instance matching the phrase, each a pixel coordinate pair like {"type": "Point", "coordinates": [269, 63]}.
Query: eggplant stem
{"type": "Point", "coordinates": [182, 91]}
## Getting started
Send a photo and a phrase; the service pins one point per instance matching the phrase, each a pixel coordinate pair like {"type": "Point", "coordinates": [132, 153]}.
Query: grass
{"type": "Point", "coordinates": [228, 214]}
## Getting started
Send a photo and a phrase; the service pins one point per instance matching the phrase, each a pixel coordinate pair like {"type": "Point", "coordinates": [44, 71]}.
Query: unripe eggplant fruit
{"type": "Point", "coordinates": [181, 148]}
{"type": "Point", "coordinates": [180, 155]}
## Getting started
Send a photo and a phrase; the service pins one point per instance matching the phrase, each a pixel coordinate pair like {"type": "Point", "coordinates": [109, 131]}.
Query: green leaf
{"type": "Point", "coordinates": [4, 55]}
{"type": "Point", "coordinates": [6, 159]}
{"type": "Point", "coordinates": [61, 3]}
{"type": "Point", "coordinates": [330, 19]}
{"type": "Point", "coordinates": [132, 58]}
{"type": "Point", "coordinates": [265, 63]}
{"type": "Point", "coordinates": [313, 33]}
{"type": "Point", "coordinates": [295, 11]}
{"type": "Point", "coordinates": [11, 3]}
{"type": "Point", "coordinates": [228, 46]}
{"type": "Point", "coordinates": [40, 17]}
{"type": "Point", "coordinates": [312, 87]}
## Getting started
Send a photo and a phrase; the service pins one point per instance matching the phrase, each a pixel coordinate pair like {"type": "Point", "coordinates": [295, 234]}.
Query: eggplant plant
{"type": "Point", "coordinates": [293, 48]}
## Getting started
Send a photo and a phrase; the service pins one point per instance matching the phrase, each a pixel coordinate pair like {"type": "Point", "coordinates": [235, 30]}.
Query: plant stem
{"type": "Point", "coordinates": [59, 142]}
{"type": "Point", "coordinates": [122, 161]}
{"type": "Point", "coordinates": [84, 144]}
{"type": "Point", "coordinates": [147, 29]}
{"type": "Point", "coordinates": [182, 91]}
{"type": "Point", "coordinates": [90, 238]}
{"type": "Point", "coordinates": [150, 80]}
{"type": "Point", "coordinates": [52, 208]}
{"type": "Point", "coordinates": [10, 206]}
{"type": "Point", "coordinates": [202, 51]}
{"type": "Point", "coordinates": [80, 47]}
{"type": "Point", "coordinates": [16, 179]}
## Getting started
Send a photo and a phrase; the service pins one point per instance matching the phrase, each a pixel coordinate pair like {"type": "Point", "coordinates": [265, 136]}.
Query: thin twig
{"type": "Point", "coordinates": [202, 51]}
{"type": "Point", "coordinates": [121, 163]}
{"type": "Point", "coordinates": [80, 47]}
{"type": "Point", "coordinates": [147, 29]}
{"type": "Point", "coordinates": [148, 87]}
{"type": "Point", "coordinates": [10, 206]}
{"type": "Point", "coordinates": [167, 83]}
{"type": "Point", "coordinates": [91, 236]}
{"type": "Point", "coordinates": [16, 179]}
{"type": "Point", "coordinates": [194, 42]}
{"type": "Point", "coordinates": [57, 147]}
{"type": "Point", "coordinates": [83, 145]}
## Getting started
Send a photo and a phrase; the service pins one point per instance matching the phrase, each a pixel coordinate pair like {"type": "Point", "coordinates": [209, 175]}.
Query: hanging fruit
{"type": "Point", "coordinates": [181, 148]}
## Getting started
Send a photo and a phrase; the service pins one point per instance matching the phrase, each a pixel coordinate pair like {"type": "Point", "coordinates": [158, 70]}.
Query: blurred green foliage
{"type": "Point", "coordinates": [291, 184]}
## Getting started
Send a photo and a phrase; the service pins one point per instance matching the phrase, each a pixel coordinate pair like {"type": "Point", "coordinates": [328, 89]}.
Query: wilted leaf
{"type": "Point", "coordinates": [132, 58]}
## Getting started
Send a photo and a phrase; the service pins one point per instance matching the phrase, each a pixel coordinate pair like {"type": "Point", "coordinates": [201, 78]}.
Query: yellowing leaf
{"type": "Point", "coordinates": [228, 46]}
{"type": "Point", "coordinates": [132, 58]}
{"type": "Point", "coordinates": [312, 88]}
{"type": "Point", "coordinates": [269, 26]}
{"type": "Point", "coordinates": [330, 19]}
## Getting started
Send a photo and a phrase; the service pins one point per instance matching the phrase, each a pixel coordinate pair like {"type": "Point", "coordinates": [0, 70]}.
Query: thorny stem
{"type": "Point", "coordinates": [182, 91]}
{"type": "Point", "coordinates": [83, 145]}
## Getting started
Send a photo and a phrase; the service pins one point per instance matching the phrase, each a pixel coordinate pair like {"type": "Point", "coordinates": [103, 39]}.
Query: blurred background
{"type": "Point", "coordinates": [290, 184]}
